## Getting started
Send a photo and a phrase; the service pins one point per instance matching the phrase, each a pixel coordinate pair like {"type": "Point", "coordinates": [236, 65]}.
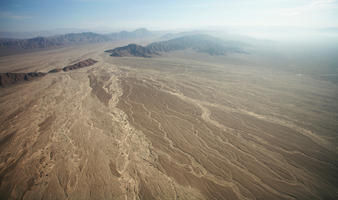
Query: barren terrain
{"type": "Point", "coordinates": [165, 128]}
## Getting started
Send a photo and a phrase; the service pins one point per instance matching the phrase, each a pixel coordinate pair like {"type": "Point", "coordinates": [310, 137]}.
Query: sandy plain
{"type": "Point", "coordinates": [170, 127]}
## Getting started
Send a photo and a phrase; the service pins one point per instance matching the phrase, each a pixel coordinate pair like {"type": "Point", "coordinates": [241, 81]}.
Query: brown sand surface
{"type": "Point", "coordinates": [165, 128]}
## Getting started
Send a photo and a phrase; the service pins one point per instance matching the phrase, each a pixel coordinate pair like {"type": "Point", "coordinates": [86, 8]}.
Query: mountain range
{"type": "Point", "coordinates": [70, 39]}
{"type": "Point", "coordinates": [199, 43]}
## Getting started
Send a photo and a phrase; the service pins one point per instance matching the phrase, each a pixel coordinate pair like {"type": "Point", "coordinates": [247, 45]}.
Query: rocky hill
{"type": "Point", "coordinates": [132, 50]}
{"type": "Point", "coordinates": [13, 78]}
{"type": "Point", "coordinates": [199, 43]}
{"type": "Point", "coordinates": [9, 78]}
{"type": "Point", "coordinates": [82, 64]}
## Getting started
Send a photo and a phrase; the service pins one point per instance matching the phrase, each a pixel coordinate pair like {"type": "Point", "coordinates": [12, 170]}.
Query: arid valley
{"type": "Point", "coordinates": [177, 126]}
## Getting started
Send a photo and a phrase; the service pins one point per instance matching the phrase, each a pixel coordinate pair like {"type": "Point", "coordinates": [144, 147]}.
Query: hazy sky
{"type": "Point", "coordinates": [30, 15]}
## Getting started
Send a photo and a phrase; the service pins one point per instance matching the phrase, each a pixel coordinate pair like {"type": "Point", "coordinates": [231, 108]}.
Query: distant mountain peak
{"type": "Point", "coordinates": [141, 30]}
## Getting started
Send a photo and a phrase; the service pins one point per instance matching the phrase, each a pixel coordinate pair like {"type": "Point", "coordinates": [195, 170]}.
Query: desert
{"type": "Point", "coordinates": [171, 126]}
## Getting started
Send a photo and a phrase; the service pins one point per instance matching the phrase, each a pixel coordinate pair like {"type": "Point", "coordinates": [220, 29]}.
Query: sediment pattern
{"type": "Point", "coordinates": [131, 128]}
{"type": "Point", "coordinates": [219, 147]}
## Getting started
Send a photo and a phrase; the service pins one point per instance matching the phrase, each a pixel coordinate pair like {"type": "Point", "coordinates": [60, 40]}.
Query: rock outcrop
{"type": "Point", "coordinates": [81, 64]}
{"type": "Point", "coordinates": [13, 78]}
{"type": "Point", "coordinates": [56, 70]}
{"type": "Point", "coordinates": [10, 78]}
